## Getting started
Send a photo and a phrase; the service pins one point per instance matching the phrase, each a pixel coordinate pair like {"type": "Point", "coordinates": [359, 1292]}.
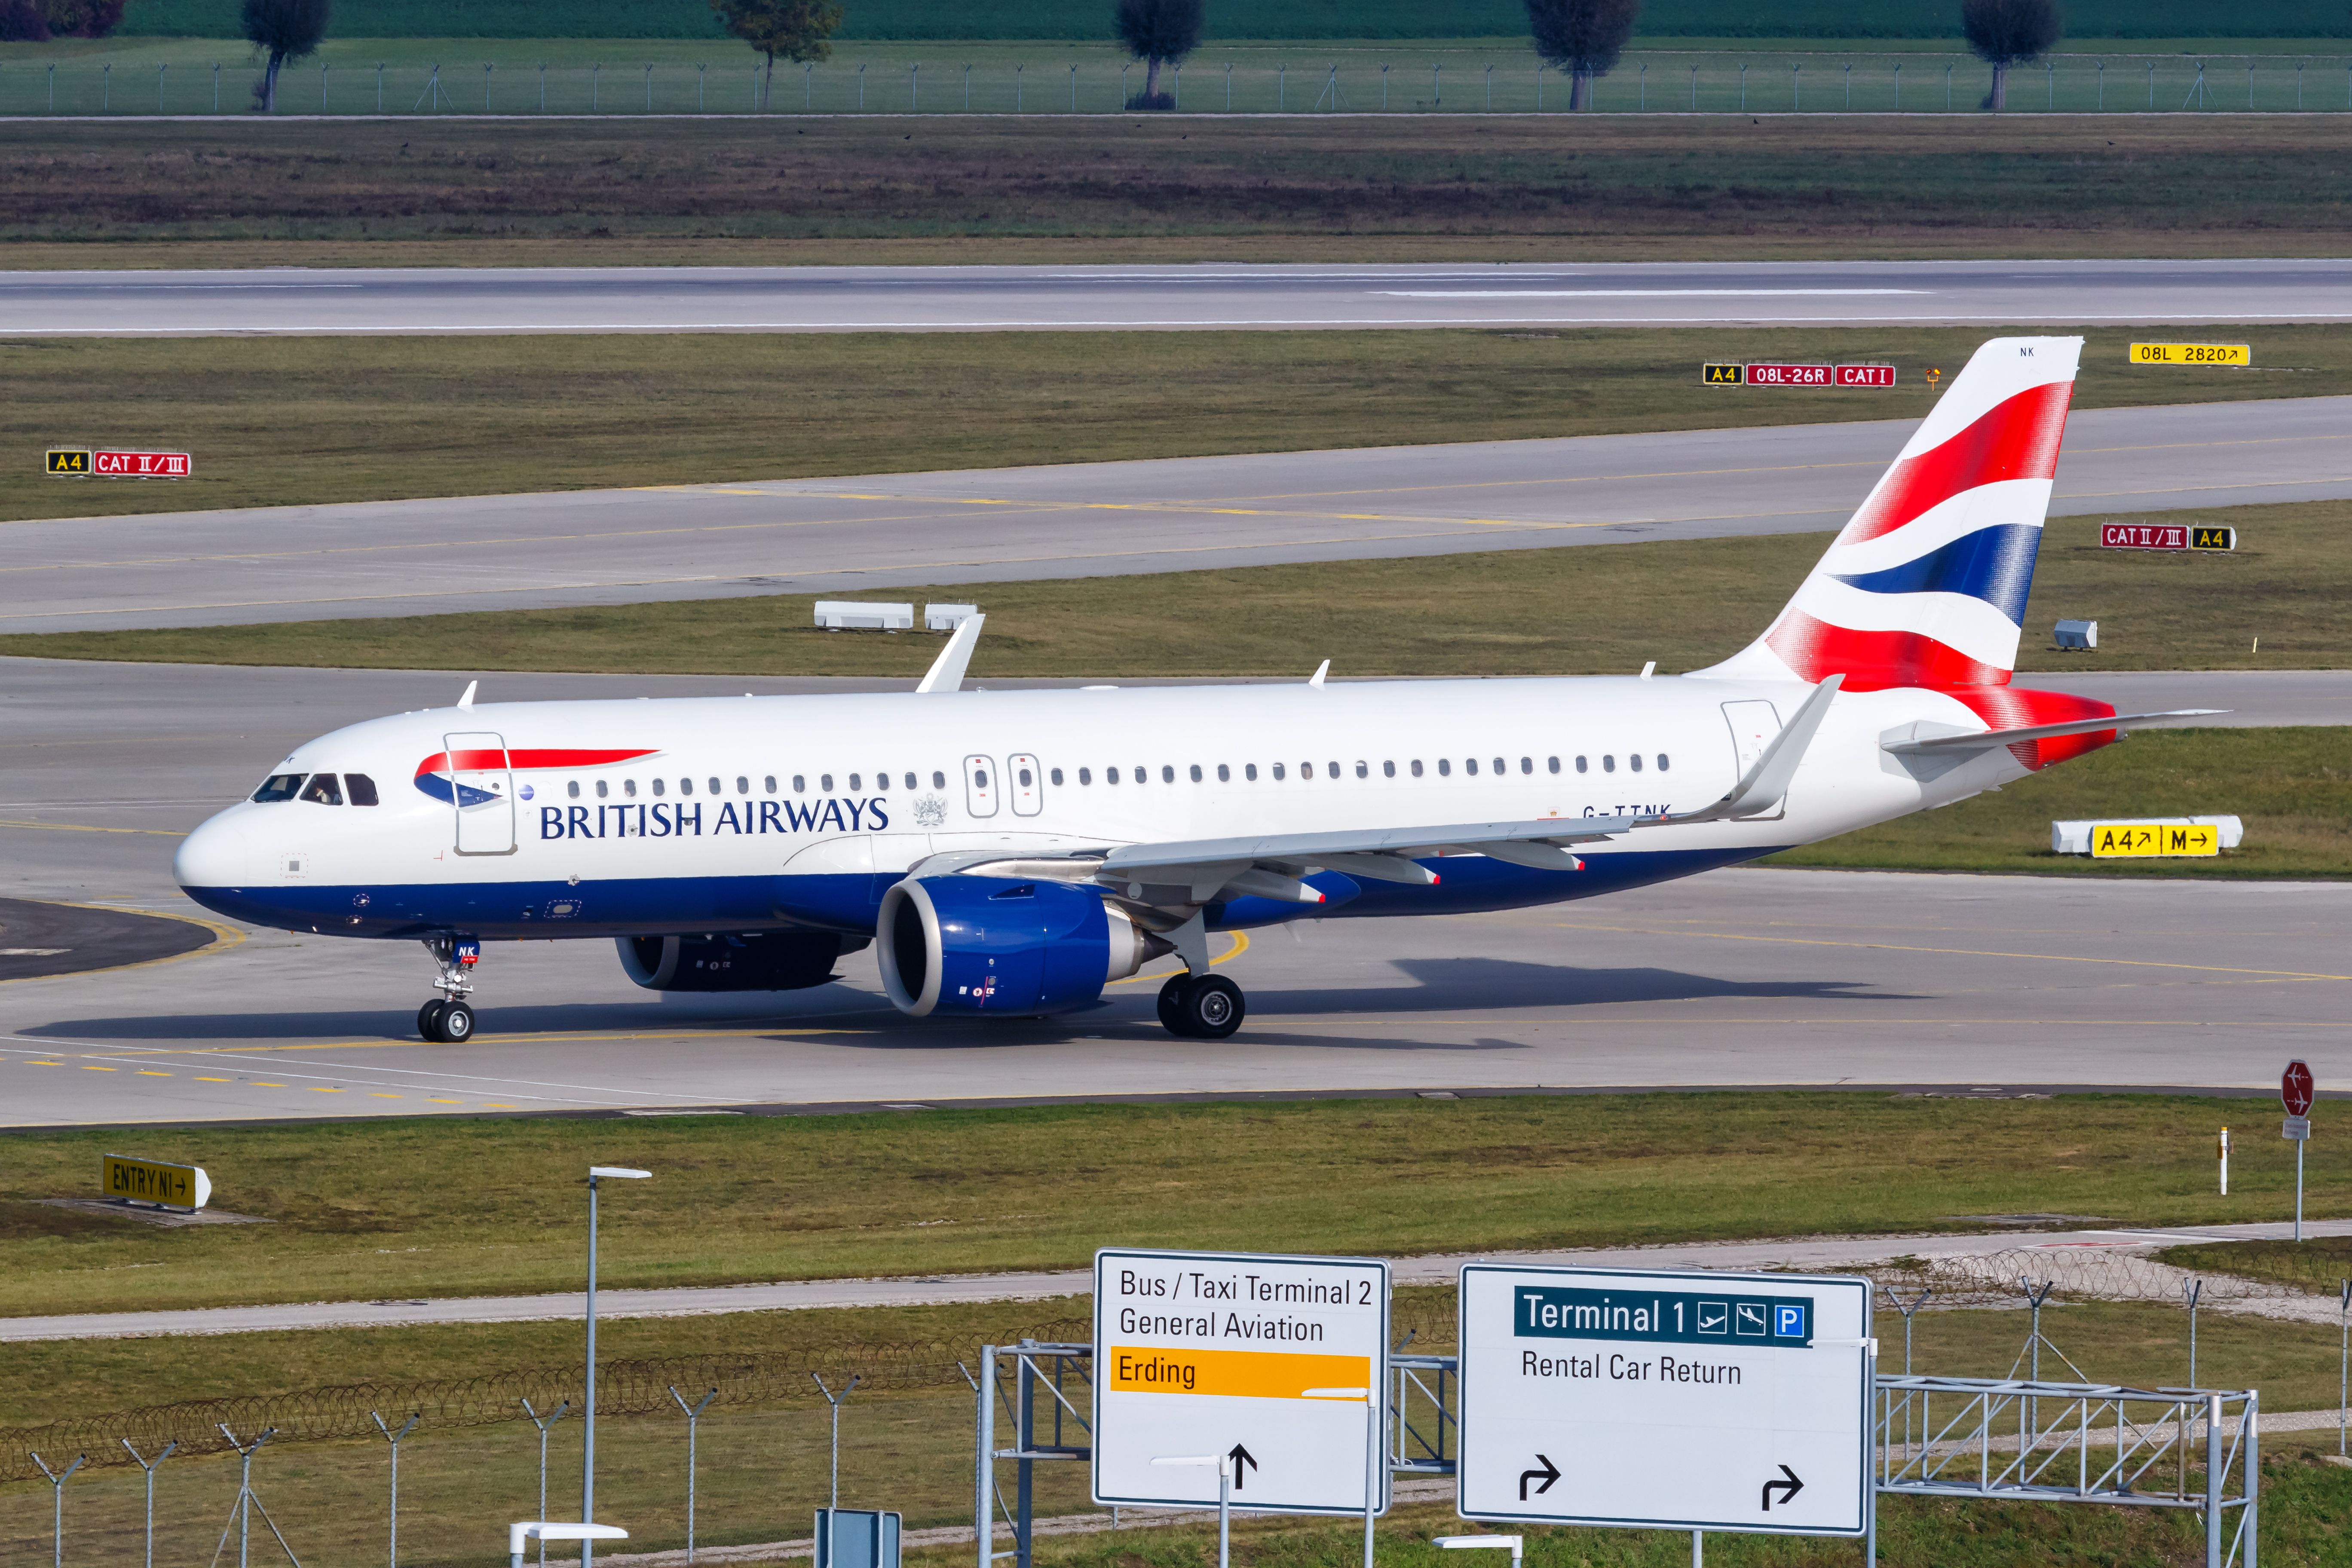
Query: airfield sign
{"type": "Point", "coordinates": [1669, 1400]}
{"type": "Point", "coordinates": [1268, 1360]}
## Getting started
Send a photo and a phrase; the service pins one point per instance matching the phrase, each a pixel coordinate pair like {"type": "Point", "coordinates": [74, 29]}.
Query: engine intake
{"type": "Point", "coordinates": [991, 944]}
{"type": "Point", "coordinates": [781, 960]}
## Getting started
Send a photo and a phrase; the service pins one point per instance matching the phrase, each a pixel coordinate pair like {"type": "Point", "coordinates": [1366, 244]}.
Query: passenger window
{"type": "Point", "coordinates": [1388, 770]}
{"type": "Point", "coordinates": [1196, 773]}
{"type": "Point", "coordinates": [1470, 766]}
{"type": "Point", "coordinates": [1331, 770]}
{"type": "Point", "coordinates": [1110, 775]}
{"type": "Point", "coordinates": [629, 787]}
{"type": "Point", "coordinates": [1581, 766]}
{"type": "Point", "coordinates": [1277, 770]}
{"type": "Point", "coordinates": [1055, 775]}
{"type": "Point", "coordinates": [1499, 768]}
{"type": "Point", "coordinates": [1416, 767]}
{"type": "Point", "coordinates": [1554, 763]}
{"type": "Point", "coordinates": [1526, 764]}
{"type": "Point", "coordinates": [825, 782]}
{"type": "Point", "coordinates": [771, 785]}
{"type": "Point", "coordinates": [1663, 763]}
{"type": "Point", "coordinates": [603, 789]}
{"type": "Point", "coordinates": [1363, 769]}
{"type": "Point", "coordinates": [1608, 765]}
{"type": "Point", "coordinates": [938, 781]}
{"type": "Point", "coordinates": [1307, 770]}
{"type": "Point", "coordinates": [800, 783]}
{"type": "Point", "coordinates": [1028, 779]}
{"type": "Point", "coordinates": [278, 786]}
{"type": "Point", "coordinates": [714, 788]}
{"type": "Point", "coordinates": [323, 790]}
{"type": "Point", "coordinates": [910, 779]}
{"type": "Point", "coordinates": [1166, 773]}
{"type": "Point", "coordinates": [742, 785]}
{"type": "Point", "coordinates": [572, 788]}
{"type": "Point", "coordinates": [1444, 768]}
{"type": "Point", "coordinates": [1085, 776]}
{"type": "Point", "coordinates": [1636, 762]}
{"type": "Point", "coordinates": [1249, 771]}
{"type": "Point", "coordinates": [979, 781]}
{"type": "Point", "coordinates": [1224, 773]}
{"type": "Point", "coordinates": [363, 788]}
{"type": "Point", "coordinates": [686, 786]}
{"type": "Point", "coordinates": [1142, 775]}
{"type": "Point", "coordinates": [855, 786]}
{"type": "Point", "coordinates": [659, 786]}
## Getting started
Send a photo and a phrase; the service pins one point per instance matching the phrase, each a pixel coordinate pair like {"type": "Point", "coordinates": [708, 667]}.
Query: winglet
{"type": "Point", "coordinates": [466, 703]}
{"type": "Point", "coordinates": [1768, 780]}
{"type": "Point", "coordinates": [1321, 670]}
{"type": "Point", "coordinates": [947, 671]}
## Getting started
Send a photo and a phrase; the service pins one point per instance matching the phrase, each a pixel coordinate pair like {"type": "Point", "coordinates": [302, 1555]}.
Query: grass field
{"type": "Point", "coordinates": [1462, 187]}
{"type": "Point", "coordinates": [364, 1210]}
{"type": "Point", "coordinates": [298, 421]}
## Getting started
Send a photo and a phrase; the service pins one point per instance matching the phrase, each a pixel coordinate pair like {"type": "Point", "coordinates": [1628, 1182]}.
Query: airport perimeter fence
{"type": "Point", "coordinates": [1662, 82]}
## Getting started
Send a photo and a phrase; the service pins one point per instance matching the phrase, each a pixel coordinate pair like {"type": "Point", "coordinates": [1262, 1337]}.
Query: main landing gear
{"type": "Point", "coordinates": [448, 1019]}
{"type": "Point", "coordinates": [1200, 1006]}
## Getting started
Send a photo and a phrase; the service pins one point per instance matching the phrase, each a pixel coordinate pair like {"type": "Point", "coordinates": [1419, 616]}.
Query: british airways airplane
{"type": "Point", "coordinates": [1012, 852]}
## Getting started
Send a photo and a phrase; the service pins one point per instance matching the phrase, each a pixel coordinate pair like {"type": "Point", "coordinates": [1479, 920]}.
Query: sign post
{"type": "Point", "coordinates": [1276, 1364]}
{"type": "Point", "coordinates": [2295, 1092]}
{"type": "Point", "coordinates": [1692, 1400]}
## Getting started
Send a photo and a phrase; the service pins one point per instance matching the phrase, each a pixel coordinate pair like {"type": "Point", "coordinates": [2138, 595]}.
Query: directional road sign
{"type": "Point", "coordinates": [1672, 1401]}
{"type": "Point", "coordinates": [1268, 1358]}
{"type": "Point", "coordinates": [2296, 1090]}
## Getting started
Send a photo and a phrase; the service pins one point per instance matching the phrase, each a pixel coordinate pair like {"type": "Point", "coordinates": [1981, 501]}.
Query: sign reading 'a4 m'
{"type": "Point", "coordinates": [1677, 1401]}
{"type": "Point", "coordinates": [1268, 1361]}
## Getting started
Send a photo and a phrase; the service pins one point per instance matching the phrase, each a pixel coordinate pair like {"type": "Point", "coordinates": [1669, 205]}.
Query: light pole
{"type": "Point", "coordinates": [588, 1407]}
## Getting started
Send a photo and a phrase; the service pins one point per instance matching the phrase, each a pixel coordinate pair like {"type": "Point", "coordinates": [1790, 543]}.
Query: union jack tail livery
{"type": "Point", "coordinates": [1926, 585]}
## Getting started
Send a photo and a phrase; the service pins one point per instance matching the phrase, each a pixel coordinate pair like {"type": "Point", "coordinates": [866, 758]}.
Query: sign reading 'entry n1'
{"type": "Point", "coordinates": [1270, 1361]}
{"type": "Point", "coordinates": [1674, 1401]}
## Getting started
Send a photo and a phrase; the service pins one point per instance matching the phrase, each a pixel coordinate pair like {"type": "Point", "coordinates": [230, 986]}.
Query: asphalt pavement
{"type": "Point", "coordinates": [874, 533]}
{"type": "Point", "coordinates": [299, 300]}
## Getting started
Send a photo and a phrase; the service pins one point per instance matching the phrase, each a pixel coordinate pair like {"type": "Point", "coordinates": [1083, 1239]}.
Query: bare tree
{"type": "Point", "coordinates": [288, 30]}
{"type": "Point", "coordinates": [1583, 37]}
{"type": "Point", "coordinates": [2005, 33]}
{"type": "Point", "coordinates": [1159, 32]}
{"type": "Point", "coordinates": [796, 29]}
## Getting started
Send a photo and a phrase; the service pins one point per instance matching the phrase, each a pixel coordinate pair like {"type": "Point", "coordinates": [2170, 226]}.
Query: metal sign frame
{"type": "Point", "coordinates": [1781, 1303]}
{"type": "Point", "coordinates": [1369, 1407]}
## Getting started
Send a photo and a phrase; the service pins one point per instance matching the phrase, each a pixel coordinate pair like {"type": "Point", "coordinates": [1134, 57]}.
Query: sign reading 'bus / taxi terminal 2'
{"type": "Point", "coordinates": [1268, 1360]}
{"type": "Point", "coordinates": [1672, 1401]}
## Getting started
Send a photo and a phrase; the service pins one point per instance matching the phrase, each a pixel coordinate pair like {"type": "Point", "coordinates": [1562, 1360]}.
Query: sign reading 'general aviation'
{"type": "Point", "coordinates": [1200, 1354]}
{"type": "Point", "coordinates": [1681, 1401]}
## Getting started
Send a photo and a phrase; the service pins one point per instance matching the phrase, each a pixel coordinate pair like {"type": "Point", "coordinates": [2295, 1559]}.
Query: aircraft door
{"type": "Point", "coordinates": [979, 786]}
{"type": "Point", "coordinates": [481, 790]}
{"type": "Point", "coordinates": [1753, 725]}
{"type": "Point", "coordinates": [1025, 782]}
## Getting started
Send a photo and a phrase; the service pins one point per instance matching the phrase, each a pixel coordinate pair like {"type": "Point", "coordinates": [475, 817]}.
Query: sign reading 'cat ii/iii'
{"type": "Point", "coordinates": [1679, 1401]}
{"type": "Point", "coordinates": [1268, 1361]}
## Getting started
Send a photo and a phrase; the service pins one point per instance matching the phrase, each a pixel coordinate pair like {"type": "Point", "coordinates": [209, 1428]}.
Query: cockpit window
{"type": "Point", "coordinates": [278, 786]}
{"type": "Point", "coordinates": [362, 787]}
{"type": "Point", "coordinates": [323, 790]}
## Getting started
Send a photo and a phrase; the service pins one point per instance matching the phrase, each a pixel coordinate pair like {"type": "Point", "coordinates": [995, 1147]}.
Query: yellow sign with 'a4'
{"type": "Point", "coordinates": [2192, 353]}
{"type": "Point", "coordinates": [2120, 840]}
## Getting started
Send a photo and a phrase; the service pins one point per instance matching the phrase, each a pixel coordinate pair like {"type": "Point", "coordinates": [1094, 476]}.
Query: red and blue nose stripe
{"type": "Point", "coordinates": [433, 773]}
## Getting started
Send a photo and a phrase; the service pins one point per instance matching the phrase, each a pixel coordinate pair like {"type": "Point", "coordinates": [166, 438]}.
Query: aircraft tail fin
{"type": "Point", "coordinates": [1927, 584]}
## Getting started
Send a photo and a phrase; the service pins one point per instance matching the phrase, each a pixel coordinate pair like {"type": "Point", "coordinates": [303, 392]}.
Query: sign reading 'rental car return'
{"type": "Point", "coordinates": [1268, 1361]}
{"type": "Point", "coordinates": [1665, 1401]}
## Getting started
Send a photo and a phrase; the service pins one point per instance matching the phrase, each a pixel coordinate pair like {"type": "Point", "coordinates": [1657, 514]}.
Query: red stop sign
{"type": "Point", "coordinates": [2295, 1089]}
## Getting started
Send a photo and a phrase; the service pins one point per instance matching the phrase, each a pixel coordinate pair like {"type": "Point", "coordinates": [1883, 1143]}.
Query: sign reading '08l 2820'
{"type": "Point", "coordinates": [1265, 1359]}
{"type": "Point", "coordinates": [1679, 1401]}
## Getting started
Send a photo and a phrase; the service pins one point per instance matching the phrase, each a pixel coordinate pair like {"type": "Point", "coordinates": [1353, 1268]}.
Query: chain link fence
{"type": "Point", "coordinates": [1460, 83]}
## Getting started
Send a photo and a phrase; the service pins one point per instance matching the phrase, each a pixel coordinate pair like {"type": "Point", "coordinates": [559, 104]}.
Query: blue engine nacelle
{"type": "Point", "coordinates": [991, 945]}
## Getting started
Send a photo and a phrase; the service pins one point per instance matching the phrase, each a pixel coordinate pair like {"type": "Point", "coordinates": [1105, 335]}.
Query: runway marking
{"type": "Point", "coordinates": [151, 1072]}
{"type": "Point", "coordinates": [1629, 293]}
{"type": "Point", "coordinates": [1955, 951]}
{"type": "Point", "coordinates": [215, 1080]}
{"type": "Point", "coordinates": [45, 1064]}
{"type": "Point", "coordinates": [87, 1067]}
{"type": "Point", "coordinates": [85, 827]}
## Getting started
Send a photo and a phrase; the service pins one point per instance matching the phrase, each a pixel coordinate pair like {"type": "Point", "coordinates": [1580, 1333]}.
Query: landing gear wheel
{"type": "Point", "coordinates": [1171, 1003]}
{"type": "Point", "coordinates": [457, 1022]}
{"type": "Point", "coordinates": [428, 1019]}
{"type": "Point", "coordinates": [1203, 1007]}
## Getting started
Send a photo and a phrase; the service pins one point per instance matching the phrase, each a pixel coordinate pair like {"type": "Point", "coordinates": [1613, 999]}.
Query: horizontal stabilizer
{"type": "Point", "coordinates": [1908, 744]}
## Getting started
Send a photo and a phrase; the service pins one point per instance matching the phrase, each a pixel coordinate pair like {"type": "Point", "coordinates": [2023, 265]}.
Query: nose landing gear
{"type": "Point", "coordinates": [449, 1019]}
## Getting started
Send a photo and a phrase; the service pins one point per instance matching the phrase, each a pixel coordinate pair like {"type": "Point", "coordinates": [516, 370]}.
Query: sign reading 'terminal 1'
{"type": "Point", "coordinates": [1672, 1401]}
{"type": "Point", "coordinates": [1268, 1360]}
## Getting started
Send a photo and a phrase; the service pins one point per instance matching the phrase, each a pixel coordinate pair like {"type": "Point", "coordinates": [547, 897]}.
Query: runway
{"type": "Point", "coordinates": [295, 301]}
{"type": "Point", "coordinates": [1738, 977]}
{"type": "Point", "coordinates": [871, 532]}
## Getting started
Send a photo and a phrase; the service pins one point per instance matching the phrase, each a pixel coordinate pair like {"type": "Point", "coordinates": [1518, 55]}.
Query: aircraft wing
{"type": "Point", "coordinates": [1271, 863]}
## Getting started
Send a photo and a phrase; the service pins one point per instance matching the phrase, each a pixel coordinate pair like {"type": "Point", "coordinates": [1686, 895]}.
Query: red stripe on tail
{"type": "Point", "coordinates": [1871, 662]}
{"type": "Point", "coordinates": [2013, 440]}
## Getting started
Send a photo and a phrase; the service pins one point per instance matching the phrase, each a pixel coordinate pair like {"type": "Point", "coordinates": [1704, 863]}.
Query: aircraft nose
{"type": "Point", "coordinates": [219, 854]}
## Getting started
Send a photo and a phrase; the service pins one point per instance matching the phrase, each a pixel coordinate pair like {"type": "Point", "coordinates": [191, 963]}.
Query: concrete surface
{"type": "Point", "coordinates": [1209, 295]}
{"type": "Point", "coordinates": [877, 531]}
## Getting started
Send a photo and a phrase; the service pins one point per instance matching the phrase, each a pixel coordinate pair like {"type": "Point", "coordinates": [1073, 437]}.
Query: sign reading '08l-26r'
{"type": "Point", "coordinates": [1265, 1359]}
{"type": "Point", "coordinates": [1677, 1401]}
